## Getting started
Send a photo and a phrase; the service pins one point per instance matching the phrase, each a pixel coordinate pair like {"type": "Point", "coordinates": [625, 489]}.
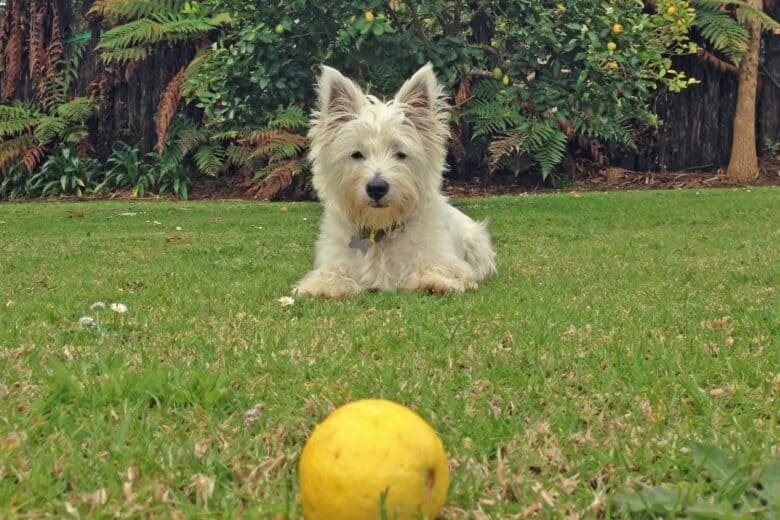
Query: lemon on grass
{"type": "Point", "coordinates": [371, 456]}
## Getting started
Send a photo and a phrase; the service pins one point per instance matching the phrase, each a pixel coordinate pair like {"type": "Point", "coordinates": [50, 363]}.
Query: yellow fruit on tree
{"type": "Point", "coordinates": [371, 456]}
{"type": "Point", "coordinates": [617, 28]}
{"type": "Point", "coordinates": [671, 10]}
{"type": "Point", "coordinates": [369, 16]}
{"type": "Point", "coordinates": [611, 46]}
{"type": "Point", "coordinates": [505, 80]}
{"type": "Point", "coordinates": [612, 65]}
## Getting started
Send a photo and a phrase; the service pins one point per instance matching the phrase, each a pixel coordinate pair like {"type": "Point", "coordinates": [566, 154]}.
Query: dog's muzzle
{"type": "Point", "coordinates": [377, 188]}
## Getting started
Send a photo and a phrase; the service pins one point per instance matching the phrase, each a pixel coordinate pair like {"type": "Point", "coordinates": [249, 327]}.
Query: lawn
{"type": "Point", "coordinates": [624, 334]}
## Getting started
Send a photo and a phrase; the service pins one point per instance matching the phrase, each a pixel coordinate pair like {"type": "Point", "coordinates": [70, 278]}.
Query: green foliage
{"type": "Point", "coordinates": [26, 132]}
{"type": "Point", "coordinates": [15, 183]}
{"type": "Point", "coordinates": [64, 172]}
{"type": "Point", "coordinates": [726, 489]}
{"type": "Point", "coordinates": [57, 87]}
{"type": "Point", "coordinates": [142, 24]}
{"type": "Point", "coordinates": [126, 169]}
{"type": "Point", "coordinates": [724, 31]}
{"type": "Point", "coordinates": [721, 30]}
{"type": "Point", "coordinates": [172, 176]}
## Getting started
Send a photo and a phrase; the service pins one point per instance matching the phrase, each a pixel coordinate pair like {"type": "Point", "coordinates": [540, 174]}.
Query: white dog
{"type": "Point", "coordinates": [377, 169]}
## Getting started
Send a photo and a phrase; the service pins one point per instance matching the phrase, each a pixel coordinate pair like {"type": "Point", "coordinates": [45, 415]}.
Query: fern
{"type": "Point", "coordinates": [491, 117]}
{"type": "Point", "coordinates": [115, 11]}
{"type": "Point", "coordinates": [209, 158]}
{"type": "Point", "coordinates": [132, 40]}
{"type": "Point", "coordinates": [76, 110]}
{"type": "Point", "coordinates": [48, 128]}
{"type": "Point", "coordinates": [169, 103]}
{"type": "Point", "coordinates": [724, 32]}
{"type": "Point", "coordinates": [18, 118]}
{"type": "Point", "coordinates": [290, 118]}
{"type": "Point", "coordinates": [551, 147]}
{"type": "Point", "coordinates": [14, 149]}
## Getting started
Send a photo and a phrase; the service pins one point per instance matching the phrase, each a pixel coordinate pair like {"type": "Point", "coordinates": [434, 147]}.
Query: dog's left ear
{"type": "Point", "coordinates": [422, 97]}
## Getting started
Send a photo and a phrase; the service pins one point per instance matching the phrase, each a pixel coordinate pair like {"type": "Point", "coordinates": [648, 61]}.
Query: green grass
{"type": "Point", "coordinates": [622, 329]}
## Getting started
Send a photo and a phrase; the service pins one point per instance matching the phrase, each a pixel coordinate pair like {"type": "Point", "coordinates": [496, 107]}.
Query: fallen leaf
{"type": "Point", "coordinates": [202, 486]}
{"type": "Point", "coordinates": [253, 414]}
{"type": "Point", "coordinates": [201, 448]}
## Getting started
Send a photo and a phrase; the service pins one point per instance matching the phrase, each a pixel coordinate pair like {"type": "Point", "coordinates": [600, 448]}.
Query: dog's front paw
{"type": "Point", "coordinates": [440, 279]}
{"type": "Point", "coordinates": [326, 284]}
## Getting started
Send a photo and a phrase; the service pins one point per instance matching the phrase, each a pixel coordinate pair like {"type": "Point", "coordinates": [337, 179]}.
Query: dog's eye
{"type": "Point", "coordinates": [356, 155]}
{"type": "Point", "coordinates": [400, 155]}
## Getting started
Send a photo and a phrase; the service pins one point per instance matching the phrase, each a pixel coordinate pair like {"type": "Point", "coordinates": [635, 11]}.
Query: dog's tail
{"type": "Point", "coordinates": [477, 249]}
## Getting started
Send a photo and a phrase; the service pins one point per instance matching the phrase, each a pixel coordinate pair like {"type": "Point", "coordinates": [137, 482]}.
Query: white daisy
{"type": "Point", "coordinates": [119, 308]}
{"type": "Point", "coordinates": [86, 321]}
{"type": "Point", "coordinates": [97, 305]}
{"type": "Point", "coordinates": [286, 301]}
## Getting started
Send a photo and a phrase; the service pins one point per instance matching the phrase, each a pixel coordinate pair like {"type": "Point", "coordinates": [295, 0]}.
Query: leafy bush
{"type": "Point", "coordinates": [528, 77]}
{"type": "Point", "coordinates": [126, 169]}
{"type": "Point", "coordinates": [63, 173]}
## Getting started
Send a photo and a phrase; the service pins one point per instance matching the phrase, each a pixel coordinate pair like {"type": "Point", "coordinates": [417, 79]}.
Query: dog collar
{"type": "Point", "coordinates": [368, 237]}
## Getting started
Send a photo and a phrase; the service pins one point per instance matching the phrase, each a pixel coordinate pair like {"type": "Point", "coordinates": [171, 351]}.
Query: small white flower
{"type": "Point", "coordinates": [86, 321]}
{"type": "Point", "coordinates": [178, 228]}
{"type": "Point", "coordinates": [119, 308]}
{"type": "Point", "coordinates": [128, 214]}
{"type": "Point", "coordinates": [157, 223]}
{"type": "Point", "coordinates": [286, 301]}
{"type": "Point", "coordinates": [97, 305]}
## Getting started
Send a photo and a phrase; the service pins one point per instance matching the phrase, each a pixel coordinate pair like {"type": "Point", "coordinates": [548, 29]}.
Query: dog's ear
{"type": "Point", "coordinates": [421, 95]}
{"type": "Point", "coordinates": [339, 98]}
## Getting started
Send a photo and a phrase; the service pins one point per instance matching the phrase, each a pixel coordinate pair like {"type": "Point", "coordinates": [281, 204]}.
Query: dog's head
{"type": "Point", "coordinates": [377, 161]}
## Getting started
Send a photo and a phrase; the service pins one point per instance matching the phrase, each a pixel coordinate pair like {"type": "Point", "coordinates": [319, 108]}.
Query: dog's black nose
{"type": "Point", "coordinates": [377, 188]}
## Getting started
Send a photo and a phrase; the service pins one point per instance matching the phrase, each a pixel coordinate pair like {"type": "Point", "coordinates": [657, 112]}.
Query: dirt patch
{"type": "Point", "coordinates": [614, 179]}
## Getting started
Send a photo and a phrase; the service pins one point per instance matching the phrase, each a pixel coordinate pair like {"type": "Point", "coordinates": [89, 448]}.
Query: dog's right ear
{"type": "Point", "coordinates": [339, 98]}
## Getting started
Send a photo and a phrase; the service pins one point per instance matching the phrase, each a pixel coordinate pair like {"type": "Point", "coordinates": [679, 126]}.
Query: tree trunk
{"type": "Point", "coordinates": [743, 164]}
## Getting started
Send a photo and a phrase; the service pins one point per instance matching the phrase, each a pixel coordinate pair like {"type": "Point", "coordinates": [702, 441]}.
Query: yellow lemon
{"type": "Point", "coordinates": [617, 28]}
{"type": "Point", "coordinates": [612, 65]}
{"type": "Point", "coordinates": [505, 80]}
{"type": "Point", "coordinates": [671, 10]}
{"type": "Point", "coordinates": [369, 16]}
{"type": "Point", "coordinates": [371, 456]}
{"type": "Point", "coordinates": [611, 46]}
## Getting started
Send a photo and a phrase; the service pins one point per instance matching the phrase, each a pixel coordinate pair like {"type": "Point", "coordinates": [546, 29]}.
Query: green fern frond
{"type": "Point", "coordinates": [224, 135]}
{"type": "Point", "coordinates": [76, 110]}
{"type": "Point", "coordinates": [291, 118]}
{"type": "Point", "coordinates": [49, 128]}
{"type": "Point", "coordinates": [116, 56]}
{"type": "Point", "coordinates": [210, 158]}
{"type": "Point", "coordinates": [491, 117]}
{"type": "Point", "coordinates": [745, 11]}
{"type": "Point", "coordinates": [725, 33]}
{"type": "Point", "coordinates": [132, 40]}
{"type": "Point", "coordinates": [115, 11]}
{"type": "Point", "coordinates": [552, 153]}
{"type": "Point", "coordinates": [238, 156]}
{"type": "Point", "coordinates": [18, 118]}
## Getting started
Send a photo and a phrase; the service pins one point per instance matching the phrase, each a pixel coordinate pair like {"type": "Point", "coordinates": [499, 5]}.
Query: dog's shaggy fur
{"type": "Point", "coordinates": [377, 169]}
